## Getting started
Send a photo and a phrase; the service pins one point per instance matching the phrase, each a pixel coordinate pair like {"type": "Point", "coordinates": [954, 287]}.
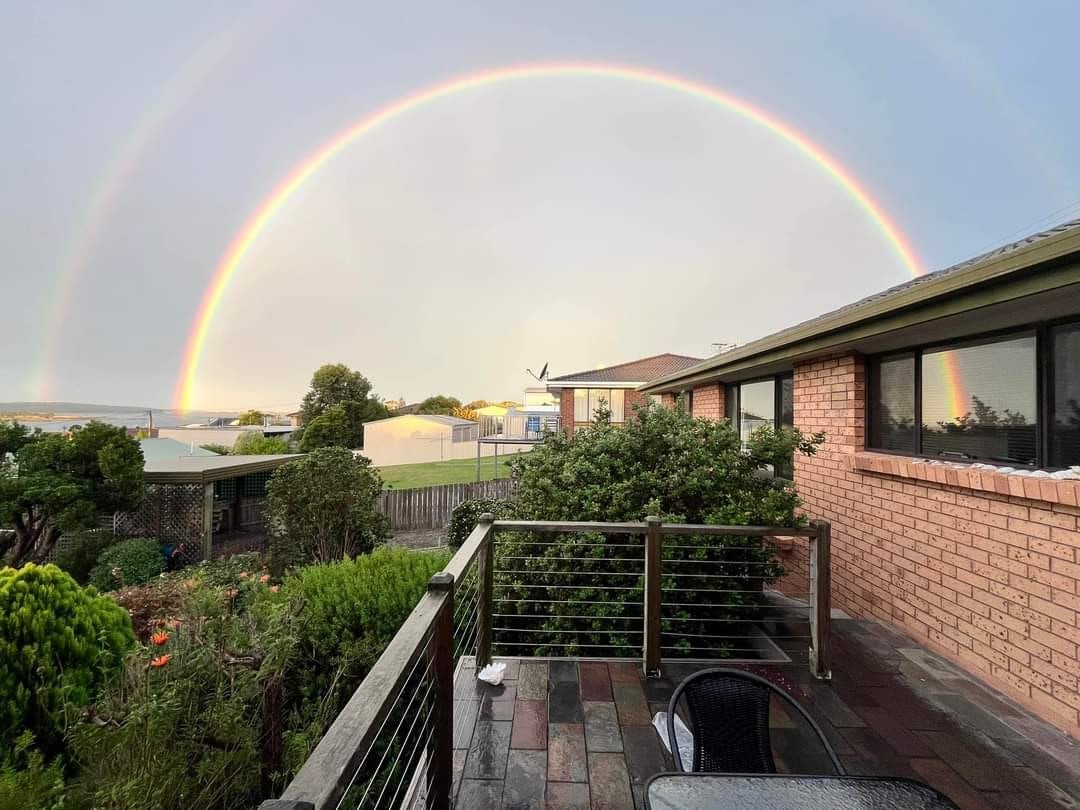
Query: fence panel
{"type": "Point", "coordinates": [431, 507]}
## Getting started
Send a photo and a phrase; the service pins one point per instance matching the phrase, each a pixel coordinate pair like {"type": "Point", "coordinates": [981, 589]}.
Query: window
{"type": "Point", "coordinates": [1064, 356]}
{"type": "Point", "coordinates": [892, 397]}
{"type": "Point", "coordinates": [587, 400]}
{"type": "Point", "coordinates": [757, 407]}
{"type": "Point", "coordinates": [982, 399]}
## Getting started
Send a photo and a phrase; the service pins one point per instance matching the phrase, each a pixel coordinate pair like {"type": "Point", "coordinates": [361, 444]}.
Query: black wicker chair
{"type": "Point", "coordinates": [729, 718]}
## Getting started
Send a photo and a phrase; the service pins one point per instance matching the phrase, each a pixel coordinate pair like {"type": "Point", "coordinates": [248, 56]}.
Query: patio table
{"type": "Point", "coordinates": [714, 791]}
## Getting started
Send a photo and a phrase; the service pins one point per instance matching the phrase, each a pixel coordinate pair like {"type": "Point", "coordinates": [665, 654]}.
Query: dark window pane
{"type": "Point", "coordinates": [892, 408]}
{"type": "Point", "coordinates": [787, 402]}
{"type": "Point", "coordinates": [731, 404]}
{"type": "Point", "coordinates": [757, 407]}
{"type": "Point", "coordinates": [979, 401]}
{"type": "Point", "coordinates": [1065, 430]}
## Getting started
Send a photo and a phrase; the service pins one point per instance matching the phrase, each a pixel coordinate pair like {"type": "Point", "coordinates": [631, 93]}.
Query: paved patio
{"type": "Point", "coordinates": [578, 734]}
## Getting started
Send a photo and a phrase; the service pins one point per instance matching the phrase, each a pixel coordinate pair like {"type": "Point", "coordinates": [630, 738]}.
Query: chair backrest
{"type": "Point", "coordinates": [729, 718]}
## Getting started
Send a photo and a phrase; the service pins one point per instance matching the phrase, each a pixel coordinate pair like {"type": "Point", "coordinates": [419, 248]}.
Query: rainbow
{"type": "Point", "coordinates": [279, 197]}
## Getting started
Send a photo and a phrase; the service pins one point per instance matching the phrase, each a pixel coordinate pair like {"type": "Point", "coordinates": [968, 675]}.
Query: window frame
{"type": "Point", "coordinates": [1044, 379]}
{"type": "Point", "coordinates": [778, 398]}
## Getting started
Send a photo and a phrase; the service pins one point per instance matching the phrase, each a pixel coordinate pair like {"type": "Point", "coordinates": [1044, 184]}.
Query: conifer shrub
{"type": "Point", "coordinates": [59, 644]}
{"type": "Point", "coordinates": [129, 562]}
{"type": "Point", "coordinates": [26, 781]}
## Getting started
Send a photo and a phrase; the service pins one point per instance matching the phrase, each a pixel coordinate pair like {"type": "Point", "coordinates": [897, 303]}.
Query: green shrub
{"type": "Point", "coordinates": [664, 463]}
{"type": "Point", "coordinates": [351, 611]}
{"type": "Point", "coordinates": [467, 514]}
{"type": "Point", "coordinates": [59, 643]}
{"type": "Point", "coordinates": [253, 443]}
{"type": "Point", "coordinates": [323, 507]}
{"type": "Point", "coordinates": [129, 562]}
{"type": "Point", "coordinates": [220, 449]}
{"type": "Point", "coordinates": [26, 782]}
{"type": "Point", "coordinates": [81, 552]}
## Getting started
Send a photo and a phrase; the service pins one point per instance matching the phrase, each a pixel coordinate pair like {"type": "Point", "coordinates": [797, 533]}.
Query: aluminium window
{"type": "Point", "coordinates": [1011, 399]}
{"type": "Point", "coordinates": [588, 400]}
{"type": "Point", "coordinates": [770, 402]}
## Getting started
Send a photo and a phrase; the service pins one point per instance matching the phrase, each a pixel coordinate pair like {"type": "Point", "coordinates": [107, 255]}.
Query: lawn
{"type": "Point", "coordinates": [455, 471]}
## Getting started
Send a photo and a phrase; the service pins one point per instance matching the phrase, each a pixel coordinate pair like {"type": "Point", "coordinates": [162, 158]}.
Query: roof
{"type": "Point", "coordinates": [636, 371]}
{"type": "Point", "coordinates": [453, 421]}
{"type": "Point", "coordinates": [992, 266]}
{"type": "Point", "coordinates": [158, 449]}
{"type": "Point", "coordinates": [205, 469]}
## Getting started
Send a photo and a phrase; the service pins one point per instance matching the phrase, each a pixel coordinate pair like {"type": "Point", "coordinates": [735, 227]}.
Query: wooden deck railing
{"type": "Point", "coordinates": [391, 746]}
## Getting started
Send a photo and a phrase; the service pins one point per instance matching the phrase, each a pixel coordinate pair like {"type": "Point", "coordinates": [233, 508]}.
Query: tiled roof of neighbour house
{"type": "Point", "coordinates": [985, 267]}
{"type": "Point", "coordinates": [640, 371]}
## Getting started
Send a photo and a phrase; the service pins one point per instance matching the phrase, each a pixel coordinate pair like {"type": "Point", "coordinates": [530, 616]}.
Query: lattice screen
{"type": "Point", "coordinates": [171, 513]}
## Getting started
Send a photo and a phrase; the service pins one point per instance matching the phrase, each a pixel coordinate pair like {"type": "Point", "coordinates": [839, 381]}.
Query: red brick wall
{"type": "Point", "coordinates": [566, 411]}
{"type": "Point", "coordinates": [633, 399]}
{"type": "Point", "coordinates": [709, 401]}
{"type": "Point", "coordinates": [988, 578]}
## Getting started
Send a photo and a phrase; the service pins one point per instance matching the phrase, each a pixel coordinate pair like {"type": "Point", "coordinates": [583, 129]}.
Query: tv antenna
{"type": "Point", "coordinates": [541, 376]}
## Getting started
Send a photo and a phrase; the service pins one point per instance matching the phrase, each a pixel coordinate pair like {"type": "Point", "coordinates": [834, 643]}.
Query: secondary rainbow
{"type": "Point", "coordinates": [241, 244]}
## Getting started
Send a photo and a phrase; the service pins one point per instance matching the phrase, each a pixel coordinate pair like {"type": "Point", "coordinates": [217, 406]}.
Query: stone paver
{"type": "Point", "coordinates": [571, 734]}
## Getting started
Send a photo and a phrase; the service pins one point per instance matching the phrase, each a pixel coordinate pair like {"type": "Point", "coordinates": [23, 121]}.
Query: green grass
{"type": "Point", "coordinates": [429, 474]}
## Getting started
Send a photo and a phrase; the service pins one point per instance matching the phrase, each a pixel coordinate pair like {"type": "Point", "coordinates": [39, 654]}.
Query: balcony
{"type": "Point", "coordinates": [572, 727]}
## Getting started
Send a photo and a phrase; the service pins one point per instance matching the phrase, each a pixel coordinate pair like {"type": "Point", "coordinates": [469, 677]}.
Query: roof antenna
{"type": "Point", "coordinates": [721, 348]}
{"type": "Point", "coordinates": [541, 376]}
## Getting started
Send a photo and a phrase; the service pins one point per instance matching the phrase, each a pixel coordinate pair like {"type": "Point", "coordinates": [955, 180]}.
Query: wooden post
{"type": "Point", "coordinates": [653, 595]}
{"type": "Point", "coordinates": [208, 521]}
{"type": "Point", "coordinates": [820, 598]}
{"type": "Point", "coordinates": [442, 656]}
{"type": "Point", "coordinates": [485, 580]}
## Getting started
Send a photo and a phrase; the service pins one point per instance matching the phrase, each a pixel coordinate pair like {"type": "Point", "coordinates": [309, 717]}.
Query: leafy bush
{"type": "Point", "coordinates": [27, 782]}
{"type": "Point", "coordinates": [323, 507]}
{"type": "Point", "coordinates": [129, 562]}
{"type": "Point", "coordinates": [467, 514]}
{"type": "Point", "coordinates": [252, 680]}
{"type": "Point", "coordinates": [253, 443]}
{"type": "Point", "coordinates": [81, 551]}
{"type": "Point", "coordinates": [664, 463]}
{"type": "Point", "coordinates": [220, 449]}
{"type": "Point", "coordinates": [59, 644]}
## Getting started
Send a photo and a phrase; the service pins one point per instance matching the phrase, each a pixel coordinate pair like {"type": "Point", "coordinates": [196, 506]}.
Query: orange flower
{"type": "Point", "coordinates": [160, 638]}
{"type": "Point", "coordinates": [275, 588]}
{"type": "Point", "coordinates": [160, 661]}
{"type": "Point", "coordinates": [264, 578]}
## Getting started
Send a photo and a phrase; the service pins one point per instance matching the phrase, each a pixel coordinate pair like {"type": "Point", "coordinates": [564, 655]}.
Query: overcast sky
{"type": "Point", "coordinates": [579, 222]}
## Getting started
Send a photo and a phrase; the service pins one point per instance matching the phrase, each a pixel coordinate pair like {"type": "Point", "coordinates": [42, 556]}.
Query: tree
{"type": "Point", "coordinates": [439, 404]}
{"type": "Point", "coordinates": [337, 385]}
{"type": "Point", "coordinates": [465, 412]}
{"type": "Point", "coordinates": [324, 507]}
{"type": "Point", "coordinates": [253, 443]}
{"type": "Point", "coordinates": [251, 417]}
{"type": "Point", "coordinates": [58, 482]}
{"type": "Point", "coordinates": [332, 428]}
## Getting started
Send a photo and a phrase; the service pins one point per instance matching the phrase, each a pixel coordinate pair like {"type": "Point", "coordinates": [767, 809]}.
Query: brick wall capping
{"type": "Point", "coordinates": [1050, 490]}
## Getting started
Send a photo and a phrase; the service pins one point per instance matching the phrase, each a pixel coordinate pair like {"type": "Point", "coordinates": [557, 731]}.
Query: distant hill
{"type": "Point", "coordinates": [65, 407]}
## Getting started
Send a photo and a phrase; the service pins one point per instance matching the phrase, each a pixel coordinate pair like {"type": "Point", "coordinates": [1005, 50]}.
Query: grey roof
{"type": "Point", "coordinates": [434, 417]}
{"type": "Point", "coordinates": [204, 469]}
{"type": "Point", "coordinates": [158, 449]}
{"type": "Point", "coordinates": [639, 371]}
{"type": "Point", "coordinates": [902, 295]}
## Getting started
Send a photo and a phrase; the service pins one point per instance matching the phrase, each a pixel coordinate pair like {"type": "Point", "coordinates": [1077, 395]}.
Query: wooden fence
{"type": "Point", "coordinates": [430, 507]}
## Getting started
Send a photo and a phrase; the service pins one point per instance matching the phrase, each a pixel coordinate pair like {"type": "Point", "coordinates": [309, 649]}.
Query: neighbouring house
{"type": "Point", "coordinates": [580, 394]}
{"type": "Point", "coordinates": [419, 438]}
{"type": "Point", "coordinates": [951, 411]}
{"type": "Point", "coordinates": [156, 448]}
{"type": "Point", "coordinates": [296, 418]}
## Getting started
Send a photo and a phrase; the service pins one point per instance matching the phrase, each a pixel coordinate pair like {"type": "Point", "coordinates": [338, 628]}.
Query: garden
{"type": "Point", "coordinates": [126, 685]}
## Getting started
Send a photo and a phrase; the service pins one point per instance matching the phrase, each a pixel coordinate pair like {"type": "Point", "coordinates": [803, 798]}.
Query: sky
{"type": "Point", "coordinates": [574, 220]}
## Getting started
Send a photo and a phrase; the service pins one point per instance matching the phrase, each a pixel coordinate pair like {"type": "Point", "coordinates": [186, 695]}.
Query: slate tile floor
{"type": "Point", "coordinates": [577, 734]}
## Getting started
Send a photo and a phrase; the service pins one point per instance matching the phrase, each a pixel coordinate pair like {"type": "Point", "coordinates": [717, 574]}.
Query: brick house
{"type": "Point", "coordinates": [581, 393]}
{"type": "Point", "coordinates": [951, 409]}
